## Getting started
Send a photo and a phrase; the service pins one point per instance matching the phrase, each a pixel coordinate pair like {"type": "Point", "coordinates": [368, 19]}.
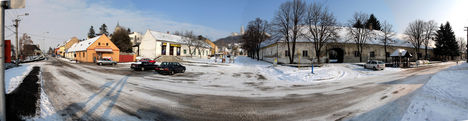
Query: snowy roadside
{"type": "Point", "coordinates": [47, 111]}
{"type": "Point", "coordinates": [443, 98]}
{"type": "Point", "coordinates": [14, 76]}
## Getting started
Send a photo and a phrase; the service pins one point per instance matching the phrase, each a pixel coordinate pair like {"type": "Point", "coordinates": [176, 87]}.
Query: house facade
{"type": "Point", "coordinates": [339, 51]}
{"type": "Point", "coordinates": [155, 44]}
{"type": "Point", "coordinates": [94, 49]}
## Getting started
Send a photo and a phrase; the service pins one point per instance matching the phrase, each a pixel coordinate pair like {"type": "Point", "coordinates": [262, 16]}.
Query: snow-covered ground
{"type": "Point", "coordinates": [14, 76]}
{"type": "Point", "coordinates": [249, 77]}
{"type": "Point", "coordinates": [443, 98]}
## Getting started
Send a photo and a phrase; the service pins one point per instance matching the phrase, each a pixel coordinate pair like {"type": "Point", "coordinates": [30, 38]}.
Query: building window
{"type": "Point", "coordinates": [99, 43]}
{"type": "Point", "coordinates": [372, 54]}
{"type": "Point", "coordinates": [356, 54]}
{"type": "Point", "coordinates": [387, 54]}
{"type": "Point", "coordinates": [185, 51]}
{"type": "Point", "coordinates": [305, 53]}
{"type": "Point", "coordinates": [286, 53]}
{"type": "Point", "coordinates": [107, 44]}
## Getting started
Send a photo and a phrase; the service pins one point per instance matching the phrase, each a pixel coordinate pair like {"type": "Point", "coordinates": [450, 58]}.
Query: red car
{"type": "Point", "coordinates": [147, 60]}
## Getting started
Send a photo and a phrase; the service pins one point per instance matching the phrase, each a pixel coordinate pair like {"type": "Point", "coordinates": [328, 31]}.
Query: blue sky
{"type": "Point", "coordinates": [229, 15]}
{"type": "Point", "coordinates": [54, 21]}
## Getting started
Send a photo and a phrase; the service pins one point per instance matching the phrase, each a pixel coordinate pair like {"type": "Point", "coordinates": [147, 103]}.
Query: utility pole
{"type": "Point", "coordinates": [17, 43]}
{"type": "Point", "coordinates": [17, 20]}
{"type": "Point", "coordinates": [466, 56]}
{"type": "Point", "coordinates": [3, 6]}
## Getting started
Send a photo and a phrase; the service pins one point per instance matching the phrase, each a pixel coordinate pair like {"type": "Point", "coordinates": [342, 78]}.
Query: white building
{"type": "Point", "coordinates": [135, 38]}
{"type": "Point", "coordinates": [155, 44]}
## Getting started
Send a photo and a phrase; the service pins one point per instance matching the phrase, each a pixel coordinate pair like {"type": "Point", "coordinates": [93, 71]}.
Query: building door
{"type": "Point", "coordinates": [171, 50]}
{"type": "Point", "coordinates": [163, 49]}
{"type": "Point", "coordinates": [336, 55]}
{"type": "Point", "coordinates": [178, 51]}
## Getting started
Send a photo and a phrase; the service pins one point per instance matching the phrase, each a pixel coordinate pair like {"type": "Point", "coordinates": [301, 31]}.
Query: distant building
{"type": "Point", "coordinates": [135, 38]}
{"type": "Point", "coordinates": [155, 44]}
{"type": "Point", "coordinates": [93, 49]}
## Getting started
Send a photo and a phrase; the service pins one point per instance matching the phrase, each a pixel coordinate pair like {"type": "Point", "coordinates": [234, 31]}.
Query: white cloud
{"type": "Point", "coordinates": [63, 19]}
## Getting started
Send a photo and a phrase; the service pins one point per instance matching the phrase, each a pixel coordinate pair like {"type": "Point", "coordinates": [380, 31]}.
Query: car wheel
{"type": "Point", "coordinates": [183, 71]}
{"type": "Point", "coordinates": [113, 64]}
{"type": "Point", "coordinates": [172, 72]}
{"type": "Point", "coordinates": [100, 64]}
{"type": "Point", "coordinates": [375, 68]}
{"type": "Point", "coordinates": [142, 69]}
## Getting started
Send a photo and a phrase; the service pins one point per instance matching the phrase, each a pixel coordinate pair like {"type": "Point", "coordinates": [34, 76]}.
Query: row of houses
{"type": "Point", "coordinates": [151, 45]}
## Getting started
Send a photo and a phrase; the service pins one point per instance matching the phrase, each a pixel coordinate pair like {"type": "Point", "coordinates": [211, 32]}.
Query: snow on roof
{"type": "Point", "coordinates": [161, 36]}
{"type": "Point", "coordinates": [83, 45]}
{"type": "Point", "coordinates": [400, 40]}
{"type": "Point", "coordinates": [399, 52]}
{"type": "Point", "coordinates": [166, 37]}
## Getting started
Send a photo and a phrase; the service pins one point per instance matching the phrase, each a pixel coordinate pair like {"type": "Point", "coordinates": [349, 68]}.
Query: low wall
{"type": "Point", "coordinates": [127, 58]}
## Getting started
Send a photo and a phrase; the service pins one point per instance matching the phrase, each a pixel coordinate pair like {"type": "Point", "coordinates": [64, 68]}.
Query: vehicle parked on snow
{"type": "Point", "coordinates": [375, 64]}
{"type": "Point", "coordinates": [147, 60]}
{"type": "Point", "coordinates": [143, 65]}
{"type": "Point", "coordinates": [105, 61]}
{"type": "Point", "coordinates": [170, 68]}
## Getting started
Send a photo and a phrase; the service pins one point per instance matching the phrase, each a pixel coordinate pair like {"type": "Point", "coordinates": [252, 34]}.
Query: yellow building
{"type": "Point", "coordinates": [68, 45]}
{"type": "Point", "coordinates": [213, 48]}
{"type": "Point", "coordinates": [94, 49]}
{"type": "Point", "coordinates": [61, 51]}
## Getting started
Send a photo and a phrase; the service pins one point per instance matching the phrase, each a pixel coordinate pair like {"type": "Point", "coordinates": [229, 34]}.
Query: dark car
{"type": "Point", "coordinates": [170, 68]}
{"type": "Point", "coordinates": [141, 66]}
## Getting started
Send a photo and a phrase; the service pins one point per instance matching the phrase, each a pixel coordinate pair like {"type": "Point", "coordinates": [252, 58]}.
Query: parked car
{"type": "Point", "coordinates": [142, 66]}
{"type": "Point", "coordinates": [374, 64]}
{"type": "Point", "coordinates": [147, 60]}
{"type": "Point", "coordinates": [105, 61]}
{"type": "Point", "coordinates": [170, 68]}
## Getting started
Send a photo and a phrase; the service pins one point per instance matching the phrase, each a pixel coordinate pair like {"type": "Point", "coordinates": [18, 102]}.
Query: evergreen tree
{"type": "Point", "coordinates": [358, 24]}
{"type": "Point", "coordinates": [103, 30]}
{"type": "Point", "coordinates": [452, 43]}
{"type": "Point", "coordinates": [446, 44]}
{"type": "Point", "coordinates": [122, 40]}
{"type": "Point", "coordinates": [91, 32]}
{"type": "Point", "coordinates": [373, 23]}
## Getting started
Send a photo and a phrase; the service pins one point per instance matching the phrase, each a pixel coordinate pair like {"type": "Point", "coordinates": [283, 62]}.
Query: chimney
{"type": "Point", "coordinates": [167, 32]}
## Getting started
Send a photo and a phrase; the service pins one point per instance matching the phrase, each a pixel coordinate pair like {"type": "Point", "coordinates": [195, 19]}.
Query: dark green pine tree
{"type": "Point", "coordinates": [358, 24]}
{"type": "Point", "coordinates": [446, 44]}
{"type": "Point", "coordinates": [103, 30]}
{"type": "Point", "coordinates": [440, 44]}
{"type": "Point", "coordinates": [373, 23]}
{"type": "Point", "coordinates": [91, 32]}
{"type": "Point", "coordinates": [452, 43]}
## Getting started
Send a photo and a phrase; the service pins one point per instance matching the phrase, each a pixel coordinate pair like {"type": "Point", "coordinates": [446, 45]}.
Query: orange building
{"type": "Point", "coordinates": [94, 49]}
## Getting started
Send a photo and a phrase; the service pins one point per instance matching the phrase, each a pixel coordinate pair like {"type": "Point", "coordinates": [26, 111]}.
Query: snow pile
{"type": "Point", "coordinates": [328, 72]}
{"type": "Point", "coordinates": [14, 76]}
{"type": "Point", "coordinates": [443, 98]}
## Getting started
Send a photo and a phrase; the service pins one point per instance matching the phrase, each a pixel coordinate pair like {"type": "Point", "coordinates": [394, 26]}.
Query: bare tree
{"type": "Point", "coordinates": [415, 32]}
{"type": "Point", "coordinates": [192, 41]}
{"type": "Point", "coordinates": [358, 33]}
{"type": "Point", "coordinates": [430, 29]}
{"type": "Point", "coordinates": [387, 34]}
{"type": "Point", "coordinates": [462, 43]}
{"type": "Point", "coordinates": [321, 27]}
{"type": "Point", "coordinates": [287, 23]}
{"type": "Point", "coordinates": [255, 35]}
